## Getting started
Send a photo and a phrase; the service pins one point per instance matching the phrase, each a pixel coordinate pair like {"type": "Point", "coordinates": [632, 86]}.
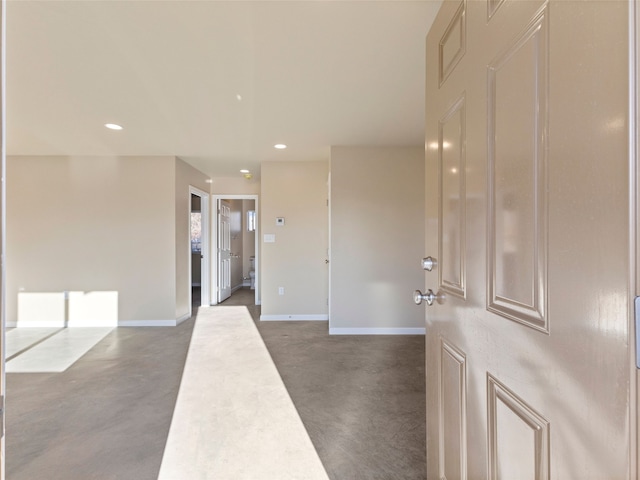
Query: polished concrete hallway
{"type": "Point", "coordinates": [361, 400]}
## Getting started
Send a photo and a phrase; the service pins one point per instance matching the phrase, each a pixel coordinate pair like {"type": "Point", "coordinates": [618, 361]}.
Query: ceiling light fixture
{"type": "Point", "coordinates": [113, 126]}
{"type": "Point", "coordinates": [244, 170]}
{"type": "Point", "coordinates": [280, 146]}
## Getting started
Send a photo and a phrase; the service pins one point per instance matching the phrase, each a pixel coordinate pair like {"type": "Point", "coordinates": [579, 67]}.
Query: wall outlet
{"type": "Point", "coordinates": [280, 290]}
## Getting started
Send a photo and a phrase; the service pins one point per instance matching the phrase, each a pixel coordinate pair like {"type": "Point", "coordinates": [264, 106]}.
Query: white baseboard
{"type": "Point", "coordinates": [46, 324]}
{"type": "Point", "coordinates": [147, 323]}
{"type": "Point", "coordinates": [274, 318]}
{"type": "Point", "coordinates": [376, 331]}
{"type": "Point", "coordinates": [236, 288]}
{"type": "Point", "coordinates": [121, 323]}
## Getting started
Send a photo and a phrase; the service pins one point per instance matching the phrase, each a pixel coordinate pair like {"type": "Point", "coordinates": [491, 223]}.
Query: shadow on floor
{"type": "Point", "coordinates": [361, 398]}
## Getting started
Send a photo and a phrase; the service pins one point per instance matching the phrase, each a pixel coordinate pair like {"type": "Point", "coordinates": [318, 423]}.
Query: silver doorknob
{"type": "Point", "coordinates": [429, 263]}
{"type": "Point", "coordinates": [428, 296]}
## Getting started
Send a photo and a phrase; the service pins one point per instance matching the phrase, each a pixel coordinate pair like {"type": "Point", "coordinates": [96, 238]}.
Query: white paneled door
{"type": "Point", "coordinates": [224, 250]}
{"type": "Point", "coordinates": [528, 354]}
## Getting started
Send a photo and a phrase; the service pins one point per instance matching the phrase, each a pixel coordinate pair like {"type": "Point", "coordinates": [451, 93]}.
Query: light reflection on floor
{"type": "Point", "coordinates": [234, 419]}
{"type": "Point", "coordinates": [49, 350]}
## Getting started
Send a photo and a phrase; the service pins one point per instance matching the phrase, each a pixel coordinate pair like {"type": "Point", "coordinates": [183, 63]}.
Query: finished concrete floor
{"type": "Point", "coordinates": [361, 400]}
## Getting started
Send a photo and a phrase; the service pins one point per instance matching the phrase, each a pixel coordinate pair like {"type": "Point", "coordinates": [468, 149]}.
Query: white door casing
{"type": "Point", "coordinates": [224, 250]}
{"type": "Point", "coordinates": [3, 203]}
{"type": "Point", "coordinates": [527, 355]}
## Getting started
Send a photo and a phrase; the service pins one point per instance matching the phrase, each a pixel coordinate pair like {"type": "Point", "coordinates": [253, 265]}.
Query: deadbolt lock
{"type": "Point", "coordinates": [429, 263]}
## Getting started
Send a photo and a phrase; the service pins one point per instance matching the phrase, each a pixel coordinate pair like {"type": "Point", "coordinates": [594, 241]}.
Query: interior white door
{"type": "Point", "coordinates": [224, 250]}
{"type": "Point", "coordinates": [527, 360]}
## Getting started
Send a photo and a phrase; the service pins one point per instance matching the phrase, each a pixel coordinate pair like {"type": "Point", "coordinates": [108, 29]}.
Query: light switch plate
{"type": "Point", "coordinates": [269, 238]}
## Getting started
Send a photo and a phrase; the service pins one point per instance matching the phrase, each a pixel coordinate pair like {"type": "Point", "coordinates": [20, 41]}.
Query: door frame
{"type": "Point", "coordinates": [214, 246]}
{"type": "Point", "coordinates": [205, 262]}
{"type": "Point", "coordinates": [634, 238]}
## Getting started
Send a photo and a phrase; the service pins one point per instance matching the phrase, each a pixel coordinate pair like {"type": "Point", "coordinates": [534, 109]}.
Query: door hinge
{"type": "Point", "coordinates": [637, 315]}
{"type": "Point", "coordinates": [2, 416]}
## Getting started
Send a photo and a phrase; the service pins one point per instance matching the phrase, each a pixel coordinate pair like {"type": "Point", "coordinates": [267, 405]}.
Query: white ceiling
{"type": "Point", "coordinates": [311, 74]}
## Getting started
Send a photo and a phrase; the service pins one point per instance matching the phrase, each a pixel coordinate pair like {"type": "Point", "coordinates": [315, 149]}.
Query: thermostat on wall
{"type": "Point", "coordinates": [279, 221]}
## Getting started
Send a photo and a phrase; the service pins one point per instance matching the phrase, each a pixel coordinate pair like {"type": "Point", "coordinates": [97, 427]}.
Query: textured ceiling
{"type": "Point", "coordinates": [310, 74]}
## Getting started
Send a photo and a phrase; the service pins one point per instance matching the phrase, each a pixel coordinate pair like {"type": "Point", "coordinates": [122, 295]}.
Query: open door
{"type": "Point", "coordinates": [528, 345]}
{"type": "Point", "coordinates": [224, 250]}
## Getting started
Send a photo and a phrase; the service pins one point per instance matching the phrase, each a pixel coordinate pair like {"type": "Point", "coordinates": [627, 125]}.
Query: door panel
{"type": "Point", "coordinates": [527, 205]}
{"type": "Point", "coordinates": [517, 123]}
{"type": "Point", "coordinates": [452, 412]}
{"type": "Point", "coordinates": [518, 436]}
{"type": "Point", "coordinates": [224, 250]}
{"type": "Point", "coordinates": [452, 250]}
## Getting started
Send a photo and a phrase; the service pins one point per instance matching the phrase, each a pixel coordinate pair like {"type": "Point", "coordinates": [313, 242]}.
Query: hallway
{"type": "Point", "coordinates": [361, 400]}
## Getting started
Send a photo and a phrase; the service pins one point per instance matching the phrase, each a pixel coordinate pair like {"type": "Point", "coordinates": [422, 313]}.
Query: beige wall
{"type": "Point", "coordinates": [91, 224]}
{"type": "Point", "coordinates": [185, 176]}
{"type": "Point", "coordinates": [235, 186]}
{"type": "Point", "coordinates": [377, 239]}
{"type": "Point", "coordinates": [296, 191]}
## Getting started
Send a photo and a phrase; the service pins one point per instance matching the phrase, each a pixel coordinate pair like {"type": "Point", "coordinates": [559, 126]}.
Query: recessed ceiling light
{"type": "Point", "coordinates": [113, 126]}
{"type": "Point", "coordinates": [244, 170]}
{"type": "Point", "coordinates": [239, 97]}
{"type": "Point", "coordinates": [280, 146]}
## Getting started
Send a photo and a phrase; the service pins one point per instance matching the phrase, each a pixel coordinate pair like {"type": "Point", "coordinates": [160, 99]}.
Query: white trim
{"type": "Point", "coordinates": [121, 323]}
{"type": "Point", "coordinates": [237, 287]}
{"type": "Point", "coordinates": [377, 331]}
{"type": "Point", "coordinates": [3, 218]}
{"type": "Point", "coordinates": [57, 324]}
{"type": "Point", "coordinates": [147, 323]}
{"type": "Point", "coordinates": [276, 318]}
{"type": "Point", "coordinates": [329, 244]}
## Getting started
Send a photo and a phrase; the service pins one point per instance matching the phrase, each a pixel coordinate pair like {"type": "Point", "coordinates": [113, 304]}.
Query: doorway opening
{"type": "Point", "coordinates": [236, 235]}
{"type": "Point", "coordinates": [199, 250]}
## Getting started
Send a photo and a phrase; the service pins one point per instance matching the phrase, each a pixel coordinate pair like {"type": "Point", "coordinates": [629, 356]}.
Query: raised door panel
{"type": "Point", "coordinates": [516, 431]}
{"type": "Point", "coordinates": [527, 210]}
{"type": "Point", "coordinates": [517, 211]}
{"type": "Point", "coordinates": [452, 412]}
{"type": "Point", "coordinates": [452, 170]}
